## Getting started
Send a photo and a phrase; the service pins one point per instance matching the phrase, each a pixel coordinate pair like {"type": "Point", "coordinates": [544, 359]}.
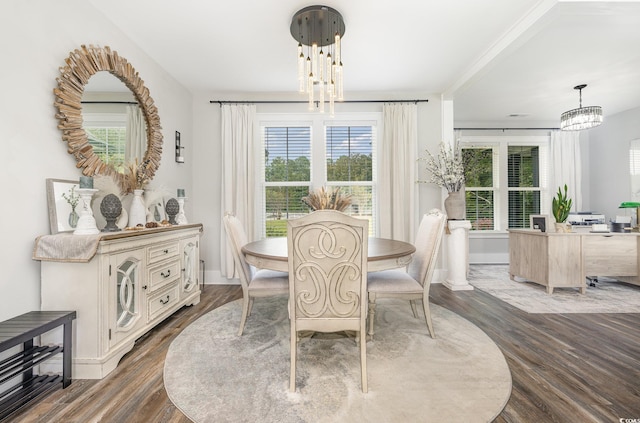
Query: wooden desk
{"type": "Point", "coordinates": [566, 259]}
{"type": "Point", "coordinates": [271, 253]}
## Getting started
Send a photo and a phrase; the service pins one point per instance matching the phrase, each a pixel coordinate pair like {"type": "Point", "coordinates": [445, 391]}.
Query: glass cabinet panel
{"type": "Point", "coordinates": [127, 303]}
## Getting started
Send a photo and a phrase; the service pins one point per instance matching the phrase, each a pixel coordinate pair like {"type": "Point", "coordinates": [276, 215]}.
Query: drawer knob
{"type": "Point", "coordinates": [164, 301]}
{"type": "Point", "coordinates": [144, 286]}
{"type": "Point", "coordinates": [166, 275]}
{"type": "Point", "coordinates": [165, 251]}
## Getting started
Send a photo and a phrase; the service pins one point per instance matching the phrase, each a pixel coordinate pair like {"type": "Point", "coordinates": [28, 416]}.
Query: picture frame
{"type": "Point", "coordinates": [157, 210]}
{"type": "Point", "coordinates": [540, 222]}
{"type": "Point", "coordinates": [59, 208]}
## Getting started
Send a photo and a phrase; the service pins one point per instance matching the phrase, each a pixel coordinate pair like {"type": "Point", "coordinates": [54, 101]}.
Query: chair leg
{"type": "Point", "coordinates": [372, 311]}
{"type": "Point", "coordinates": [245, 312]}
{"type": "Point", "coordinates": [292, 372]}
{"type": "Point", "coordinates": [427, 315]}
{"type": "Point", "coordinates": [250, 306]}
{"type": "Point", "coordinates": [363, 366]}
{"type": "Point", "coordinates": [414, 308]}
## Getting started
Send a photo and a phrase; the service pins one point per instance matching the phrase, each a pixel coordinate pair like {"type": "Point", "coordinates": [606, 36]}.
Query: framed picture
{"type": "Point", "coordinates": [157, 210]}
{"type": "Point", "coordinates": [540, 222]}
{"type": "Point", "coordinates": [64, 205]}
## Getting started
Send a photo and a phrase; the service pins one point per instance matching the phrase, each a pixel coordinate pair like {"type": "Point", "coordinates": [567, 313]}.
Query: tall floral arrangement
{"type": "Point", "coordinates": [136, 176]}
{"type": "Point", "coordinates": [447, 168]}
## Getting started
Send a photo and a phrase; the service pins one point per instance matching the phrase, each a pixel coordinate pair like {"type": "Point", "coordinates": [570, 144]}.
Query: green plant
{"type": "Point", "coordinates": [561, 205]}
{"type": "Point", "coordinates": [72, 198]}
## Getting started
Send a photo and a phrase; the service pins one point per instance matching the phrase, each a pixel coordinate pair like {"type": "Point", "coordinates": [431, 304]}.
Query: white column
{"type": "Point", "coordinates": [458, 255]}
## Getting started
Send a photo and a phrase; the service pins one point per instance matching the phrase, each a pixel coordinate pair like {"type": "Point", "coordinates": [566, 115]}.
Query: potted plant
{"type": "Point", "coordinates": [561, 206]}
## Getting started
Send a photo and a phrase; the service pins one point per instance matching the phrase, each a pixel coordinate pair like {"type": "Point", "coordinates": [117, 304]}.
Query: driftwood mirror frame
{"type": "Point", "coordinates": [81, 65]}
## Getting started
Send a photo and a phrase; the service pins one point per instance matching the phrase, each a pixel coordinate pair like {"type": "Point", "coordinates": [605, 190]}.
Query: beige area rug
{"type": "Point", "coordinates": [608, 296]}
{"type": "Point", "coordinates": [212, 375]}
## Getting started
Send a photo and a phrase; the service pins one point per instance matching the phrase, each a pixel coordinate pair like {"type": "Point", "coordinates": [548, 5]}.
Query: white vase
{"type": "Point", "coordinates": [454, 205]}
{"type": "Point", "coordinates": [137, 210]}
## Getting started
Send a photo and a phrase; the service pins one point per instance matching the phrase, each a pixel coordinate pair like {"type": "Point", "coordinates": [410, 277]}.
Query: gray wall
{"type": "Point", "coordinates": [36, 37]}
{"type": "Point", "coordinates": [609, 164]}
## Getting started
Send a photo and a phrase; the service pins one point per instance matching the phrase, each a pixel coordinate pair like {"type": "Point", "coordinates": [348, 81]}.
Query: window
{"type": "Point", "coordinates": [108, 143]}
{"type": "Point", "coordinates": [306, 153]}
{"type": "Point", "coordinates": [505, 181]}
{"type": "Point", "coordinates": [106, 133]}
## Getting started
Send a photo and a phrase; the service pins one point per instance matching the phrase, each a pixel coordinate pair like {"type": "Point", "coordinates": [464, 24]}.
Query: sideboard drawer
{"type": "Point", "coordinates": [161, 275]}
{"type": "Point", "coordinates": [158, 253]}
{"type": "Point", "coordinates": [163, 301]}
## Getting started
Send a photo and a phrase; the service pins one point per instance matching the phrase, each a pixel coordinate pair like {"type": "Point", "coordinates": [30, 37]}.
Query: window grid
{"type": "Point", "coordinates": [290, 157]}
{"type": "Point", "coordinates": [519, 163]}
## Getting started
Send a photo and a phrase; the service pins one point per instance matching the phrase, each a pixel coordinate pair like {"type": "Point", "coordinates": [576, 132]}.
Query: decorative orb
{"type": "Point", "coordinates": [111, 207]}
{"type": "Point", "coordinates": [172, 208]}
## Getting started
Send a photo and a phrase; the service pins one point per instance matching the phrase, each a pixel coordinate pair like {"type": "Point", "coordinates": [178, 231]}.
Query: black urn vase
{"type": "Point", "coordinates": [172, 208]}
{"type": "Point", "coordinates": [111, 207]}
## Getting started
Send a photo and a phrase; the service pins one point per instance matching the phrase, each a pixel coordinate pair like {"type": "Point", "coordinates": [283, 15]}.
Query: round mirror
{"type": "Point", "coordinates": [81, 65]}
{"type": "Point", "coordinates": [113, 121]}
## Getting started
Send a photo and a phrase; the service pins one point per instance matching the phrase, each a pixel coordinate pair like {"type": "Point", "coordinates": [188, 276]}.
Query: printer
{"type": "Point", "coordinates": [585, 218]}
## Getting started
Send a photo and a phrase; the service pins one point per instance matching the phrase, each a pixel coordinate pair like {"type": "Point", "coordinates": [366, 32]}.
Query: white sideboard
{"type": "Point", "coordinates": [134, 281]}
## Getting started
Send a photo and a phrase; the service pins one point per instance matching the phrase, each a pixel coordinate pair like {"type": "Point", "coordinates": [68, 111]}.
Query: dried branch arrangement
{"type": "Point", "coordinates": [136, 176]}
{"type": "Point", "coordinates": [323, 198]}
{"type": "Point", "coordinates": [80, 66]}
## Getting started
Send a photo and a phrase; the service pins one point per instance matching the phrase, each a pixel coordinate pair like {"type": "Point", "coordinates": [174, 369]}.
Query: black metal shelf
{"type": "Point", "coordinates": [16, 371]}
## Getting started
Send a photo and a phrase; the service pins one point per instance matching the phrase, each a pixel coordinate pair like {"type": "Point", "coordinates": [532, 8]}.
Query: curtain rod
{"type": "Point", "coordinates": [109, 102]}
{"type": "Point", "coordinates": [506, 129]}
{"type": "Point", "coordinates": [221, 102]}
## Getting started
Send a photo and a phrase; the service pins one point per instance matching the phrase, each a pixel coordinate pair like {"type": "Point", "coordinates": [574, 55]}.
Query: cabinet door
{"type": "Point", "coordinates": [125, 292]}
{"type": "Point", "coordinates": [190, 262]}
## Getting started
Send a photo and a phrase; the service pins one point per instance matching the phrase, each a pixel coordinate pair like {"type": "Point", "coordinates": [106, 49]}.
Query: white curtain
{"type": "Point", "coordinates": [397, 172]}
{"type": "Point", "coordinates": [566, 166]}
{"type": "Point", "coordinates": [238, 173]}
{"type": "Point", "coordinates": [136, 138]}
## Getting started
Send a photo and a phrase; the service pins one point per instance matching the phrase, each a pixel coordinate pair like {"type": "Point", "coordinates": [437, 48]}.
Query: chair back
{"type": "Point", "coordinates": [237, 239]}
{"type": "Point", "coordinates": [327, 272]}
{"type": "Point", "coordinates": [427, 245]}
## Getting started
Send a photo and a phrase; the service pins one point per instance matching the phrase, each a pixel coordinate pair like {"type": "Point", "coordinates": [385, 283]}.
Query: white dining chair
{"type": "Point", "coordinates": [412, 283]}
{"type": "Point", "coordinates": [327, 279]}
{"type": "Point", "coordinates": [255, 283]}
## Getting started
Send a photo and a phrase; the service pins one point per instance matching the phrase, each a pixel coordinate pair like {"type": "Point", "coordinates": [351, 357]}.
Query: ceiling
{"type": "Point", "coordinates": [512, 63]}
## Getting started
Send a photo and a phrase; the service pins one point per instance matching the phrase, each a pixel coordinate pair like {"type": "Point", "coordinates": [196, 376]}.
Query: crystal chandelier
{"type": "Point", "coordinates": [582, 117]}
{"type": "Point", "coordinates": [319, 31]}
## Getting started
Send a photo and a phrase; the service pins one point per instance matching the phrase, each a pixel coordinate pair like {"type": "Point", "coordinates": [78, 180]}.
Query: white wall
{"type": "Point", "coordinates": [207, 157]}
{"type": "Point", "coordinates": [609, 164]}
{"type": "Point", "coordinates": [35, 38]}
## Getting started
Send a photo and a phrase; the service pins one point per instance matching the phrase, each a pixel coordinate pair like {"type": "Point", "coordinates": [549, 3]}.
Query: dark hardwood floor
{"type": "Point", "coordinates": [565, 367]}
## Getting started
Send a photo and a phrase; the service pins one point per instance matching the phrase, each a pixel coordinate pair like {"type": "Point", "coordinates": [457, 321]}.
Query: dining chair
{"type": "Point", "coordinates": [255, 283]}
{"type": "Point", "coordinates": [327, 258]}
{"type": "Point", "coordinates": [412, 283]}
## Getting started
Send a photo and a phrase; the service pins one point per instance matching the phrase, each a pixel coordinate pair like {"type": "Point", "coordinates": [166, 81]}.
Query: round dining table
{"type": "Point", "coordinates": [383, 254]}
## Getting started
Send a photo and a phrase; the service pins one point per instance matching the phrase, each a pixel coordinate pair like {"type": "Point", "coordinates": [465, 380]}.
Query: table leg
{"type": "Point", "coordinates": [66, 354]}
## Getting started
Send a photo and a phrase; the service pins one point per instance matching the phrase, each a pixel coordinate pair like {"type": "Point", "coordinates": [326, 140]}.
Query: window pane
{"type": "Point", "coordinates": [108, 143]}
{"type": "Point", "coordinates": [361, 202]}
{"type": "Point", "coordinates": [523, 166]}
{"type": "Point", "coordinates": [287, 154]}
{"type": "Point", "coordinates": [349, 153]}
{"type": "Point", "coordinates": [479, 208]}
{"type": "Point", "coordinates": [521, 205]}
{"type": "Point", "coordinates": [283, 203]}
{"type": "Point", "coordinates": [478, 167]}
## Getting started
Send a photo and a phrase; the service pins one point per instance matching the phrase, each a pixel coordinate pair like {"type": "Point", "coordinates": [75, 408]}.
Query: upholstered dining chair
{"type": "Point", "coordinates": [327, 279]}
{"type": "Point", "coordinates": [255, 283]}
{"type": "Point", "coordinates": [412, 283]}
